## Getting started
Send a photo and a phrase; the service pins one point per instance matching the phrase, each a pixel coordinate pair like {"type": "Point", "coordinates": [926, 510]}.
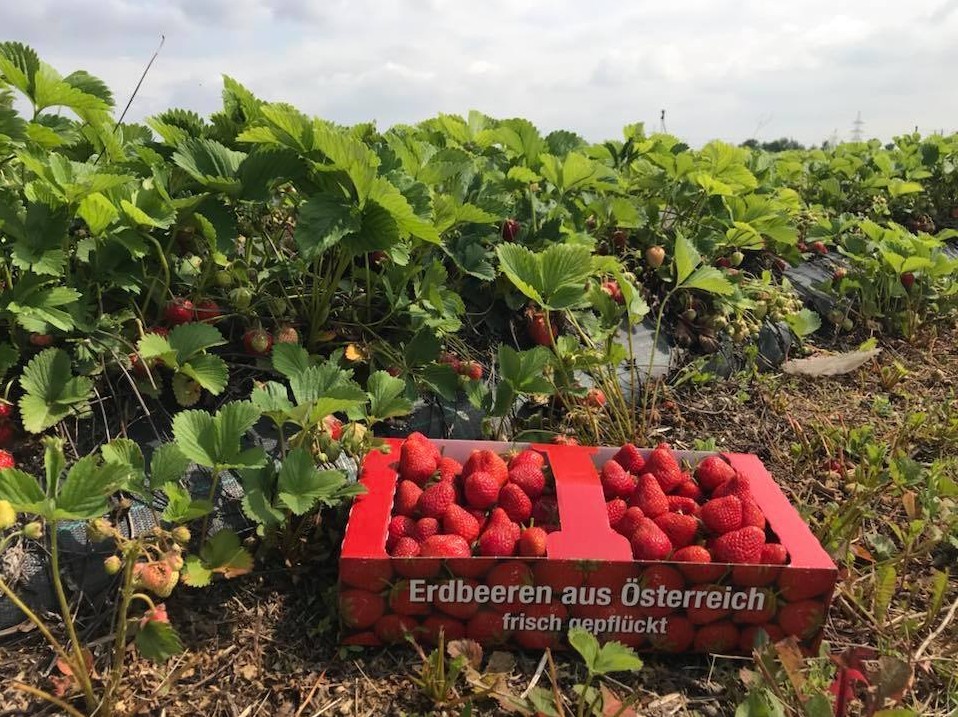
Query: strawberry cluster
{"type": "Point", "coordinates": [6, 423]}
{"type": "Point", "coordinates": [701, 517]}
{"type": "Point", "coordinates": [487, 507]}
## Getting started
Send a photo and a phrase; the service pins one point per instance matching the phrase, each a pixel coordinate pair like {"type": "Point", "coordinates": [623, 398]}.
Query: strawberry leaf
{"type": "Point", "coordinates": [223, 554]}
{"type": "Point", "coordinates": [189, 340]}
{"type": "Point", "coordinates": [195, 573]}
{"type": "Point", "coordinates": [22, 491]}
{"type": "Point", "coordinates": [209, 371]}
{"type": "Point", "coordinates": [158, 641]}
{"type": "Point", "coordinates": [301, 485]}
{"type": "Point", "coordinates": [167, 464]}
{"type": "Point", "coordinates": [181, 507]}
{"type": "Point", "coordinates": [88, 486]}
{"type": "Point", "coordinates": [290, 359]}
{"type": "Point", "coordinates": [52, 392]}
{"type": "Point", "coordinates": [386, 397]}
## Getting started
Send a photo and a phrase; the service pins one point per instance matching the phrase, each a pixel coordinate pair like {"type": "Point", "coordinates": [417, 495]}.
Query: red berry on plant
{"type": "Point", "coordinates": [595, 398]}
{"type": "Point", "coordinates": [907, 279]}
{"type": "Point", "coordinates": [532, 542]}
{"type": "Point", "coordinates": [179, 311]}
{"type": "Point", "coordinates": [611, 288]}
{"type": "Point", "coordinates": [257, 342]}
{"type": "Point", "coordinates": [7, 460]}
{"type": "Point", "coordinates": [41, 340]}
{"type": "Point", "coordinates": [208, 311]}
{"type": "Point", "coordinates": [510, 229]}
{"type": "Point", "coordinates": [286, 335]}
{"type": "Point", "coordinates": [819, 247]}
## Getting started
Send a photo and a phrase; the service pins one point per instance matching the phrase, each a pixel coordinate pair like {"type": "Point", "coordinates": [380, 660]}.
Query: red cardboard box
{"type": "Point", "coordinates": [588, 579]}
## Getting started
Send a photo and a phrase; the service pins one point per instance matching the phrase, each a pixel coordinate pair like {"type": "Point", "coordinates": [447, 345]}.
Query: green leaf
{"type": "Point", "coordinates": [210, 163]}
{"type": "Point", "coordinates": [19, 65]}
{"type": "Point", "coordinates": [272, 400]}
{"type": "Point", "coordinates": [88, 486]}
{"type": "Point", "coordinates": [290, 359]}
{"type": "Point", "coordinates": [322, 222]}
{"type": "Point", "coordinates": [442, 379]}
{"type": "Point", "coordinates": [386, 399]}
{"type": "Point", "coordinates": [391, 199]}
{"type": "Point", "coordinates": [616, 657]}
{"type": "Point", "coordinates": [190, 339]}
{"type": "Point", "coordinates": [586, 645]}
{"type": "Point", "coordinates": [686, 259]}
{"type": "Point", "coordinates": [209, 371]}
{"type": "Point", "coordinates": [885, 584]}
{"type": "Point", "coordinates": [525, 369]}
{"type": "Point", "coordinates": [257, 503]}
{"type": "Point", "coordinates": [158, 641]}
{"type": "Point", "coordinates": [153, 345]}
{"type": "Point", "coordinates": [195, 573]}
{"type": "Point", "coordinates": [709, 279]}
{"type": "Point", "coordinates": [181, 507]}
{"type": "Point", "coordinates": [21, 490]}
{"type": "Point", "coordinates": [760, 703]}
{"type": "Point", "coordinates": [521, 266]}
{"type": "Point", "coordinates": [422, 348]}
{"type": "Point", "coordinates": [195, 435]}
{"type": "Point", "coordinates": [223, 554]}
{"type": "Point", "coordinates": [554, 278]}
{"type": "Point", "coordinates": [98, 212]}
{"type": "Point", "coordinates": [52, 392]}
{"type": "Point", "coordinates": [124, 451]}
{"type": "Point", "coordinates": [167, 464]}
{"type": "Point", "coordinates": [9, 356]}
{"type": "Point", "coordinates": [301, 485]}
{"type": "Point", "coordinates": [804, 322]}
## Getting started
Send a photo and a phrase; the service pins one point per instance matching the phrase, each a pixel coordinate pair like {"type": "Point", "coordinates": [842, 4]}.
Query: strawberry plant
{"type": "Point", "coordinates": [184, 351]}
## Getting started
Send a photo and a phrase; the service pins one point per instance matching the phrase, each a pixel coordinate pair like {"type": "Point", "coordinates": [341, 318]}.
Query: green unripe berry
{"type": "Point", "coordinates": [33, 531]}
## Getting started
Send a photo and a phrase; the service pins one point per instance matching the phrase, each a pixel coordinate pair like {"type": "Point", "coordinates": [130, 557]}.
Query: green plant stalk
{"type": "Point", "coordinates": [82, 675]}
{"type": "Point", "coordinates": [651, 387]}
{"type": "Point", "coordinates": [164, 266]}
{"type": "Point", "coordinates": [47, 697]}
{"type": "Point", "coordinates": [580, 710]}
{"type": "Point", "coordinates": [214, 482]}
{"type": "Point", "coordinates": [119, 644]}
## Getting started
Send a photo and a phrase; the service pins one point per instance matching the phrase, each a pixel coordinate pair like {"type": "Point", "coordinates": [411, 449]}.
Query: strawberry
{"type": "Point", "coordinates": [286, 334]}
{"type": "Point", "coordinates": [41, 340]}
{"type": "Point", "coordinates": [333, 426]}
{"type": "Point", "coordinates": [692, 554]}
{"type": "Point", "coordinates": [499, 518]}
{"type": "Point", "coordinates": [425, 528]}
{"type": "Point", "coordinates": [6, 460]}
{"type": "Point", "coordinates": [719, 637]}
{"type": "Point", "coordinates": [460, 610]}
{"type": "Point", "coordinates": [738, 485]}
{"type": "Point", "coordinates": [722, 515]}
{"type": "Point", "coordinates": [752, 514]}
{"type": "Point", "coordinates": [178, 311]}
{"type": "Point", "coordinates": [449, 468]}
{"type": "Point", "coordinates": [803, 619]}
{"type": "Point", "coordinates": [758, 617]}
{"type": "Point", "coordinates": [595, 398]}
{"type": "Point", "coordinates": [241, 297]}
{"type": "Point", "coordinates": [436, 625]}
{"type": "Point", "coordinates": [907, 280]}
{"type": "Point", "coordinates": [532, 543]}
{"type": "Point", "coordinates": [620, 239]}
{"type": "Point", "coordinates": [510, 229]}
{"type": "Point", "coordinates": [497, 541]}
{"type": "Point", "coordinates": [527, 456]}
{"type": "Point", "coordinates": [616, 481]}
{"type": "Point", "coordinates": [391, 629]}
{"type": "Point", "coordinates": [689, 489]}
{"type": "Point", "coordinates": [774, 554]}
{"type": "Point", "coordinates": [680, 528]}
{"type": "Point", "coordinates": [208, 311]}
{"type": "Point", "coordinates": [538, 328]}
{"type": "Point", "coordinates": [529, 477]}
{"type": "Point", "coordinates": [6, 411]}
{"type": "Point", "coordinates": [558, 574]}
{"type": "Point", "coordinates": [630, 521]}
{"type": "Point", "coordinates": [257, 342]}
{"type": "Point", "coordinates": [649, 497]}
{"type": "Point", "coordinates": [615, 509]}
{"type": "Point", "coordinates": [677, 637]}
{"type": "Point", "coordinates": [450, 359]}
{"type": "Point", "coordinates": [436, 498]}
{"type": "Point", "coordinates": [683, 504]}
{"type": "Point", "coordinates": [405, 547]}
{"type": "Point", "coordinates": [516, 504]}
{"type": "Point", "coordinates": [418, 459]}
{"type": "Point", "coordinates": [481, 490]}
{"type": "Point", "coordinates": [401, 603]}
{"type": "Point", "coordinates": [471, 370]}
{"type": "Point", "coordinates": [611, 288]}
{"type": "Point", "coordinates": [630, 458]}
{"type": "Point", "coordinates": [662, 464]}
{"type": "Point", "coordinates": [6, 434]}
{"type": "Point", "coordinates": [819, 247]}
{"type": "Point", "coordinates": [723, 263]}
{"type": "Point", "coordinates": [545, 511]}
{"type": "Point", "coordinates": [360, 609]}
{"type": "Point", "coordinates": [370, 575]}
{"type": "Point", "coordinates": [649, 542]}
{"type": "Point", "coordinates": [401, 526]}
{"type": "Point", "coordinates": [481, 517]}
{"type": "Point", "coordinates": [739, 546]}
{"type": "Point", "coordinates": [456, 520]}
{"type": "Point", "coordinates": [756, 635]}
{"type": "Point", "coordinates": [445, 546]}
{"type": "Point", "coordinates": [541, 639]}
{"type": "Point", "coordinates": [655, 256]}
{"type": "Point", "coordinates": [407, 497]}
{"type": "Point", "coordinates": [795, 584]}
{"type": "Point", "coordinates": [487, 462]}
{"type": "Point", "coordinates": [486, 629]}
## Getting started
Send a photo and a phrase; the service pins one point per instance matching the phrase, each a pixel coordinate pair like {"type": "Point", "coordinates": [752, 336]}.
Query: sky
{"type": "Point", "coordinates": [720, 69]}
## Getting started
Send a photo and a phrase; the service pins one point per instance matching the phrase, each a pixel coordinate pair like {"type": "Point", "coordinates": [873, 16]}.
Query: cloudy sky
{"type": "Point", "coordinates": [720, 69]}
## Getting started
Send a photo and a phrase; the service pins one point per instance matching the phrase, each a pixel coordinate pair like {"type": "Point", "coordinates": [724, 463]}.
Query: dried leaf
{"type": "Point", "coordinates": [829, 365]}
{"type": "Point", "coordinates": [862, 552]}
{"type": "Point", "coordinates": [501, 663]}
{"type": "Point", "coordinates": [469, 649]}
{"type": "Point", "coordinates": [790, 656]}
{"type": "Point", "coordinates": [908, 500]}
{"type": "Point", "coordinates": [892, 680]}
{"type": "Point", "coordinates": [612, 705]}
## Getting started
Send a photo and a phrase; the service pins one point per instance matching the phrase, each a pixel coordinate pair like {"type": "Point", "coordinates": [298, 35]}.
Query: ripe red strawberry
{"type": "Point", "coordinates": [648, 496]}
{"type": "Point", "coordinates": [712, 472]}
{"type": "Point", "coordinates": [510, 229]}
{"type": "Point", "coordinates": [774, 554]}
{"type": "Point", "coordinates": [286, 334]}
{"type": "Point", "coordinates": [178, 311]}
{"type": "Point", "coordinates": [795, 584]}
{"type": "Point", "coordinates": [692, 554]}
{"type": "Point", "coordinates": [401, 526]}
{"type": "Point", "coordinates": [486, 629]}
{"type": "Point", "coordinates": [460, 610]}
{"type": "Point", "coordinates": [662, 464]}
{"type": "Point", "coordinates": [6, 411]}
{"type": "Point", "coordinates": [758, 617]}
{"type": "Point", "coordinates": [450, 628]}
{"type": "Point", "coordinates": [649, 542]}
{"type": "Point", "coordinates": [615, 509]}
{"type": "Point", "coordinates": [532, 543]}
{"type": "Point", "coordinates": [449, 468]}
{"type": "Point", "coordinates": [6, 434]}
{"type": "Point", "coordinates": [752, 514]}
{"type": "Point", "coordinates": [527, 456]}
{"type": "Point", "coordinates": [545, 511]}
{"type": "Point", "coordinates": [481, 490]}
{"type": "Point", "coordinates": [405, 547]}
{"type": "Point", "coordinates": [739, 546]}
{"type": "Point", "coordinates": [471, 369]}
{"type": "Point", "coordinates": [360, 609]}
{"type": "Point", "coordinates": [370, 575]}
{"type": "Point", "coordinates": [407, 497]}
{"type": "Point", "coordinates": [754, 635]}
{"type": "Point", "coordinates": [719, 637]}
{"type": "Point", "coordinates": [689, 489]}
{"type": "Point", "coordinates": [630, 521]}
{"type": "Point", "coordinates": [450, 359]}
{"type": "Point", "coordinates": [616, 481]}
{"type": "Point", "coordinates": [498, 541]}
{"type": "Point", "coordinates": [425, 528]}
{"type": "Point", "coordinates": [499, 518]}
{"type": "Point", "coordinates": [208, 311]}
{"type": "Point", "coordinates": [677, 637]}
{"type": "Point", "coordinates": [391, 629]}
{"type": "Point", "coordinates": [722, 515]}
{"type": "Point", "coordinates": [481, 517]}
{"type": "Point", "coordinates": [487, 462]}
{"type": "Point", "coordinates": [529, 477]}
{"type": "Point", "coordinates": [436, 498]}
{"type": "Point", "coordinates": [612, 288]}
{"type": "Point", "coordinates": [684, 504]}
{"type": "Point", "coordinates": [418, 459]}
{"type": "Point", "coordinates": [595, 398]}
{"type": "Point", "coordinates": [400, 600]}
{"type": "Point", "coordinates": [6, 460]}
{"type": "Point", "coordinates": [516, 504]}
{"type": "Point", "coordinates": [445, 546]}
{"type": "Point", "coordinates": [819, 247]}
{"type": "Point", "coordinates": [257, 342]}
{"type": "Point", "coordinates": [333, 426]}
{"type": "Point", "coordinates": [680, 528]}
{"type": "Point", "coordinates": [802, 619]}
{"type": "Point", "coordinates": [703, 615]}
{"type": "Point", "coordinates": [907, 280]}
{"type": "Point", "coordinates": [456, 520]}
{"type": "Point", "coordinates": [538, 329]}
{"type": "Point", "coordinates": [630, 458]}
{"type": "Point", "coordinates": [736, 486]}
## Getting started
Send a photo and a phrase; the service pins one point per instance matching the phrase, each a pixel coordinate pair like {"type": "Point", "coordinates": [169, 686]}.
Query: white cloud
{"type": "Point", "coordinates": [719, 69]}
